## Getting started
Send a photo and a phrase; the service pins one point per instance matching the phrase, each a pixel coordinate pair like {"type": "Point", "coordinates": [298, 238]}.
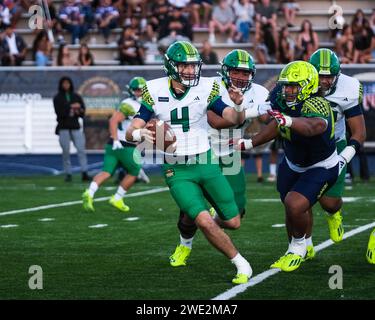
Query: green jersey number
{"type": "Point", "coordinates": [184, 120]}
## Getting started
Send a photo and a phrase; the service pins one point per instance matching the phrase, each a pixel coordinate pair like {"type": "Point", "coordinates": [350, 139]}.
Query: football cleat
{"type": "Point", "coordinates": [119, 204]}
{"type": "Point", "coordinates": [370, 254]}
{"type": "Point", "coordinates": [288, 262]}
{"type": "Point", "coordinates": [336, 229]}
{"type": "Point", "coordinates": [244, 275]}
{"type": "Point", "coordinates": [87, 201]}
{"type": "Point", "coordinates": [180, 255]}
{"type": "Point", "coordinates": [240, 278]}
{"type": "Point", "coordinates": [310, 253]}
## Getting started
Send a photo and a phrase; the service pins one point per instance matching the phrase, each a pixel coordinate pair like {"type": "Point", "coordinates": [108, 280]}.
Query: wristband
{"type": "Point", "coordinates": [348, 153]}
{"type": "Point", "coordinates": [136, 134]}
{"type": "Point", "coordinates": [238, 107]}
{"type": "Point", "coordinates": [354, 143]}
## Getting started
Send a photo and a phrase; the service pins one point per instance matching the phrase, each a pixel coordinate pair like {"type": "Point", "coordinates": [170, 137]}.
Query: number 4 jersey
{"type": "Point", "coordinates": [186, 113]}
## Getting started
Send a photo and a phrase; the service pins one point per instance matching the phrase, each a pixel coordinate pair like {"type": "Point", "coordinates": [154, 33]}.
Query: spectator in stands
{"type": "Point", "coordinates": [85, 57]}
{"type": "Point", "coordinates": [286, 46]}
{"type": "Point", "coordinates": [64, 57]}
{"type": "Point", "coordinates": [73, 20]}
{"type": "Point", "coordinates": [88, 13]}
{"type": "Point", "coordinates": [54, 24]}
{"type": "Point", "coordinates": [358, 22]}
{"type": "Point", "coordinates": [307, 41]}
{"type": "Point", "coordinates": [158, 13]}
{"type": "Point", "coordinates": [176, 24]}
{"type": "Point", "coordinates": [4, 17]}
{"type": "Point", "coordinates": [244, 12]}
{"type": "Point", "coordinates": [136, 8]}
{"type": "Point", "coordinates": [222, 19]}
{"type": "Point", "coordinates": [208, 55]}
{"type": "Point", "coordinates": [364, 41]}
{"type": "Point", "coordinates": [16, 7]}
{"type": "Point", "coordinates": [107, 18]}
{"type": "Point", "coordinates": [42, 49]}
{"type": "Point", "coordinates": [13, 48]}
{"type": "Point", "coordinates": [131, 51]}
{"type": "Point", "coordinates": [345, 45]}
{"type": "Point", "coordinates": [289, 7]}
{"type": "Point", "coordinates": [135, 23]}
{"type": "Point", "coordinates": [199, 6]}
{"type": "Point", "coordinates": [69, 107]}
{"type": "Point", "coordinates": [266, 23]}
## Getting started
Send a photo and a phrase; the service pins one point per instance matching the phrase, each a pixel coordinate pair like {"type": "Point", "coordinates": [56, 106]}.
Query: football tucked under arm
{"type": "Point", "coordinates": [165, 138]}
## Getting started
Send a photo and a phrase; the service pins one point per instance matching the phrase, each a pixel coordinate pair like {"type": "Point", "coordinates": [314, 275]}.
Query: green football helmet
{"type": "Point", "coordinates": [326, 63]}
{"type": "Point", "coordinates": [239, 60]}
{"type": "Point", "coordinates": [135, 84]}
{"type": "Point", "coordinates": [183, 52]}
{"type": "Point", "coordinates": [301, 74]}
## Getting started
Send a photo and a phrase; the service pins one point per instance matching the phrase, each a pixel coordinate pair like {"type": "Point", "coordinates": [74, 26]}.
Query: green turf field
{"type": "Point", "coordinates": [129, 259]}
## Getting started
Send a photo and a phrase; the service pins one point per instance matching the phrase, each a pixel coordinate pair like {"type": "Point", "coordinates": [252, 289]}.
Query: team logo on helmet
{"type": "Point", "coordinates": [303, 76]}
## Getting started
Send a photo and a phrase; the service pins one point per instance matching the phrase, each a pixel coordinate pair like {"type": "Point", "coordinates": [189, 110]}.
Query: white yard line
{"type": "Point", "coordinates": [71, 203]}
{"type": "Point", "coordinates": [231, 293]}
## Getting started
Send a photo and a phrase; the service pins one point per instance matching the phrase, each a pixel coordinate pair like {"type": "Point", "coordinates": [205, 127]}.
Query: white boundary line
{"type": "Point", "coordinates": [231, 293]}
{"type": "Point", "coordinates": [70, 203]}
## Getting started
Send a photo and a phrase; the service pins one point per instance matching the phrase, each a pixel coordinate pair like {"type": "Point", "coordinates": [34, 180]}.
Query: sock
{"type": "Point", "coordinates": [120, 193]}
{"type": "Point", "coordinates": [309, 241]}
{"type": "Point", "coordinates": [186, 242]}
{"type": "Point", "coordinates": [298, 246]}
{"type": "Point", "coordinates": [92, 188]}
{"type": "Point", "coordinates": [273, 169]}
{"type": "Point", "coordinates": [242, 265]}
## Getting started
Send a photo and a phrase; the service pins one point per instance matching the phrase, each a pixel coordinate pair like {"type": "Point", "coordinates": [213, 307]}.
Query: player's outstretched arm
{"type": "Point", "coordinates": [304, 126]}
{"type": "Point", "coordinates": [309, 126]}
{"type": "Point", "coordinates": [117, 117]}
{"type": "Point", "coordinates": [267, 134]}
{"type": "Point", "coordinates": [217, 122]}
{"type": "Point", "coordinates": [357, 128]}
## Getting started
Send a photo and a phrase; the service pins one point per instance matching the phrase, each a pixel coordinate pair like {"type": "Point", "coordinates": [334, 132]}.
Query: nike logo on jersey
{"type": "Point", "coordinates": [163, 99]}
{"type": "Point", "coordinates": [196, 98]}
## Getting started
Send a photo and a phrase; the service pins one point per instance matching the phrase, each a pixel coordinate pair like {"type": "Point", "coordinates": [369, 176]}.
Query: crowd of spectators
{"type": "Point", "coordinates": [147, 25]}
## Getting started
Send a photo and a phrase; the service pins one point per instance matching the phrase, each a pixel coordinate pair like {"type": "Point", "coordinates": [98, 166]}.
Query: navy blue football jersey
{"type": "Point", "coordinates": [301, 150]}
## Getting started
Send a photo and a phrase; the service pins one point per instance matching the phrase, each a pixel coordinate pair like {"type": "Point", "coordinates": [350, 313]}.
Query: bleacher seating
{"type": "Point", "coordinates": [317, 11]}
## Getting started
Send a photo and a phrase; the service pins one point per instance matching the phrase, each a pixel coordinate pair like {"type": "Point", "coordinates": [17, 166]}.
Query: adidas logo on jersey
{"type": "Point", "coordinates": [345, 99]}
{"type": "Point", "coordinates": [196, 98]}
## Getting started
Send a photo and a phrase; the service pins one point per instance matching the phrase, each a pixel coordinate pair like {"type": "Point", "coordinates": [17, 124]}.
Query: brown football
{"type": "Point", "coordinates": [165, 138]}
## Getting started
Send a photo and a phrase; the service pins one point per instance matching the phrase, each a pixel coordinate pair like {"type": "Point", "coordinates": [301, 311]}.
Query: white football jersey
{"type": "Point", "coordinates": [348, 94]}
{"type": "Point", "coordinates": [256, 95]}
{"type": "Point", "coordinates": [123, 126]}
{"type": "Point", "coordinates": [186, 115]}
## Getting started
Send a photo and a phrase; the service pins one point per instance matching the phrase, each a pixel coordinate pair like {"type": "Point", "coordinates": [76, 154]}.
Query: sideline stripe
{"type": "Point", "coordinates": [70, 203]}
{"type": "Point", "coordinates": [231, 293]}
